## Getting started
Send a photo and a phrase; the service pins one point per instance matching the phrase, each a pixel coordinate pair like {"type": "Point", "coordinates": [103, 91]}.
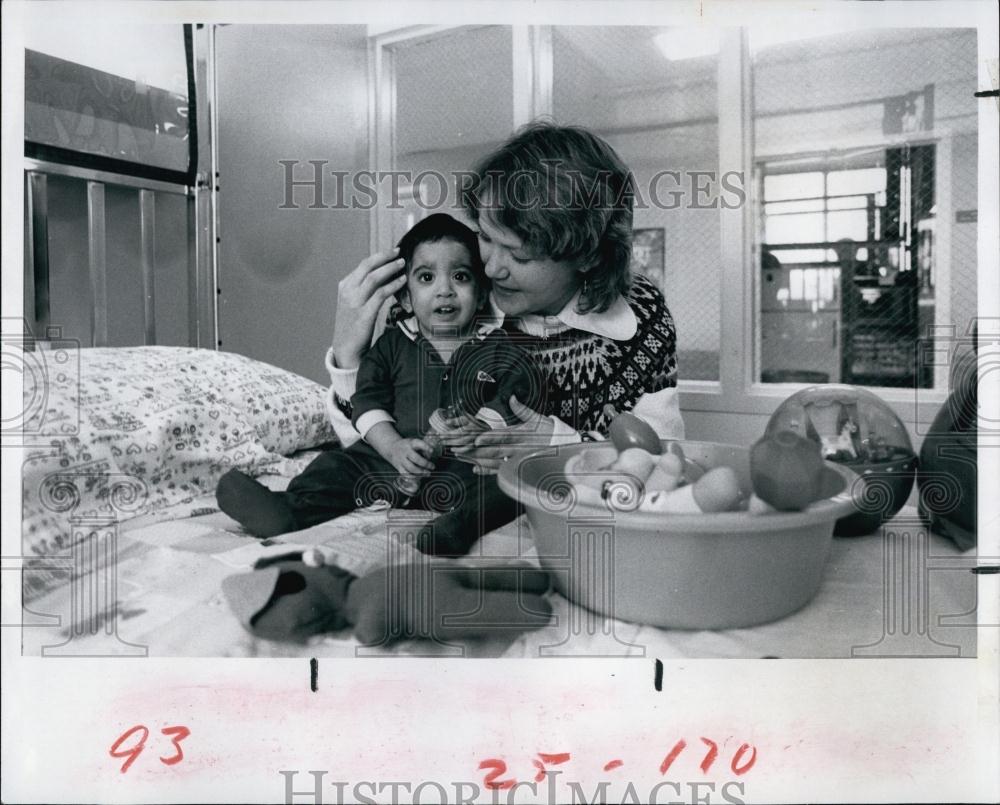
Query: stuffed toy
{"type": "Point", "coordinates": [291, 601]}
{"type": "Point", "coordinates": [947, 475]}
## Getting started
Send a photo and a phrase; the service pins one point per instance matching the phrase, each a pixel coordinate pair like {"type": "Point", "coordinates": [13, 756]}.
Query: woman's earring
{"type": "Point", "coordinates": [586, 286]}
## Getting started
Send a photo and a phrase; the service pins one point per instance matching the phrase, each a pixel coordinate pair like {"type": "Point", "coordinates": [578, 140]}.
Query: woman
{"type": "Point", "coordinates": [554, 210]}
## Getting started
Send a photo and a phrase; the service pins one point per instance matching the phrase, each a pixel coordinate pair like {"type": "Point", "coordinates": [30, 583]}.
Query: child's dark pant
{"type": "Point", "coordinates": [341, 480]}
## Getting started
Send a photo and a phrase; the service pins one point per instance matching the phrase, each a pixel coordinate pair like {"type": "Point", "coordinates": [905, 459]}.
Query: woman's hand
{"type": "Point", "coordinates": [494, 447]}
{"type": "Point", "coordinates": [360, 296]}
{"type": "Point", "coordinates": [461, 431]}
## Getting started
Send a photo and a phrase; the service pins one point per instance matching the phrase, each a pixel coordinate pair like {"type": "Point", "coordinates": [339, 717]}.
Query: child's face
{"type": "Point", "coordinates": [441, 289]}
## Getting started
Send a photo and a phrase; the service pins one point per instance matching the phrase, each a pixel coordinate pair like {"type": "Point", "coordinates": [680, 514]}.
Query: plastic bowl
{"type": "Point", "coordinates": [682, 571]}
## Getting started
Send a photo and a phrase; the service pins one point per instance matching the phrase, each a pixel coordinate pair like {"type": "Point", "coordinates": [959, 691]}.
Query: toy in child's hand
{"type": "Point", "coordinates": [787, 471]}
{"type": "Point", "coordinates": [409, 485]}
{"type": "Point", "coordinates": [627, 430]}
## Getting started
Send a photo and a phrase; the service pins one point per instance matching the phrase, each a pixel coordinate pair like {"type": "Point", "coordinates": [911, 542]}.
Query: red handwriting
{"type": "Point", "coordinates": [490, 780]}
{"type": "Point", "coordinates": [737, 769]}
{"type": "Point", "coordinates": [742, 761]}
{"type": "Point", "coordinates": [132, 752]}
{"type": "Point", "coordinates": [668, 761]}
{"type": "Point", "coordinates": [179, 733]}
{"type": "Point", "coordinates": [545, 757]}
{"type": "Point", "coordinates": [710, 755]}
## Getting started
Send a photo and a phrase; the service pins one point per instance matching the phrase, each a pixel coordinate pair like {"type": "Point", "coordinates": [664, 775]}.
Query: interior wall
{"type": "Point", "coordinates": [692, 236]}
{"type": "Point", "coordinates": [299, 93]}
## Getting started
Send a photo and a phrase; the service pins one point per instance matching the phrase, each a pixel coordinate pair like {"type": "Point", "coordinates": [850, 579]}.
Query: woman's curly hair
{"type": "Point", "coordinates": [568, 196]}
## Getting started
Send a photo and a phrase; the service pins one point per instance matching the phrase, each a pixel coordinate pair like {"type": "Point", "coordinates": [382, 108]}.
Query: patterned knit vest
{"type": "Point", "coordinates": [585, 371]}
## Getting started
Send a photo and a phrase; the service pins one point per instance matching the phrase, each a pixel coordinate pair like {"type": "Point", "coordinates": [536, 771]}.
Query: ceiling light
{"type": "Point", "coordinates": [687, 43]}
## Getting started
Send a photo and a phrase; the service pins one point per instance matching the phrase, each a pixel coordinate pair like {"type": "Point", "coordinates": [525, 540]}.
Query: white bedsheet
{"type": "Point", "coordinates": [164, 599]}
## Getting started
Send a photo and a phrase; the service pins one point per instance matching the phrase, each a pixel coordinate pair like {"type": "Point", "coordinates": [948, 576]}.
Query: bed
{"type": "Point", "coordinates": [125, 553]}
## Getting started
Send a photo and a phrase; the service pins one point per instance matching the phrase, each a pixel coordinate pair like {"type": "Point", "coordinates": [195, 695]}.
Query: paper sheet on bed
{"type": "Point", "coordinates": [358, 542]}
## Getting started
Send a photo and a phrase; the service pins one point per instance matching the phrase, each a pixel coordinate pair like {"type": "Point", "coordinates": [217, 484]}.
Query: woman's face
{"type": "Point", "coordinates": [522, 282]}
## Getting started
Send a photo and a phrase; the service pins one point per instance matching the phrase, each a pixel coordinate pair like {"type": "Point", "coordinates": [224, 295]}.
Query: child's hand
{"type": "Point", "coordinates": [461, 431]}
{"type": "Point", "coordinates": [410, 456]}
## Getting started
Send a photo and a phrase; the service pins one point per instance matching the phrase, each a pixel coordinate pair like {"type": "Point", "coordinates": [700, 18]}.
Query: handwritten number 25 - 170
{"type": "Point", "coordinates": [134, 749]}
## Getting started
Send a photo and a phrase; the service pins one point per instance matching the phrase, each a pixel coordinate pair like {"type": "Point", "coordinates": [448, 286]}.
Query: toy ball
{"type": "Point", "coordinates": [856, 428]}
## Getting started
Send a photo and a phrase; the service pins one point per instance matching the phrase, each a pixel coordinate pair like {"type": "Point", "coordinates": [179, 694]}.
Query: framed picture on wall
{"type": "Point", "coordinates": [648, 256]}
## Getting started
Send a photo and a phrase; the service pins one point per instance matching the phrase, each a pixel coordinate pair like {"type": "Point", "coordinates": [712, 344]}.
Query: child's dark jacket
{"type": "Point", "coordinates": [403, 375]}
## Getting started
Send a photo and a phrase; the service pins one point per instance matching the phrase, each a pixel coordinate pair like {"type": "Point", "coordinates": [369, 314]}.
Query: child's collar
{"type": "Point", "coordinates": [484, 327]}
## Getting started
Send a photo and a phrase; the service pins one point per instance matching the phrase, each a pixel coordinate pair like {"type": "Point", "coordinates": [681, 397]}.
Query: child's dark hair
{"type": "Point", "coordinates": [441, 226]}
{"type": "Point", "coordinates": [568, 196]}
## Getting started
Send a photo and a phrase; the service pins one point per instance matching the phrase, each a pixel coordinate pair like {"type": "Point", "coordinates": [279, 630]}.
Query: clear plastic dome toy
{"type": "Point", "coordinates": [854, 427]}
{"type": "Point", "coordinates": [851, 425]}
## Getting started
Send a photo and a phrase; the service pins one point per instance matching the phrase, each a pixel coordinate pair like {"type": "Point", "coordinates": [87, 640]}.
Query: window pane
{"type": "Point", "coordinates": [655, 101]}
{"type": "Point", "coordinates": [796, 283]}
{"type": "Point", "coordinates": [796, 256]}
{"type": "Point", "coordinates": [793, 185]}
{"type": "Point", "coordinates": [868, 180]}
{"type": "Point", "coordinates": [828, 278]}
{"type": "Point", "coordinates": [805, 228]}
{"type": "Point", "coordinates": [851, 224]}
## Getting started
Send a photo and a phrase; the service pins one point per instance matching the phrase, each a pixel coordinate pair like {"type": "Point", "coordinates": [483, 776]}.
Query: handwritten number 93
{"type": "Point", "coordinates": [134, 748]}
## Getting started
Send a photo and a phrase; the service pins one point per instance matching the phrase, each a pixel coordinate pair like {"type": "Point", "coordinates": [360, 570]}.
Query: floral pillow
{"type": "Point", "coordinates": [130, 431]}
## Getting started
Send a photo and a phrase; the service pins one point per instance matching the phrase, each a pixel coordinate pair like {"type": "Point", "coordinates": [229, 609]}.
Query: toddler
{"type": "Point", "coordinates": [440, 356]}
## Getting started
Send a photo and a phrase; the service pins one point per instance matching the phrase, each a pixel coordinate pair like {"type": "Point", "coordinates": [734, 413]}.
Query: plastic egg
{"type": "Point", "coordinates": [670, 463]}
{"type": "Point", "coordinates": [677, 501]}
{"type": "Point", "coordinates": [718, 490]}
{"type": "Point", "coordinates": [634, 461]}
{"type": "Point", "coordinates": [661, 480]}
{"type": "Point", "coordinates": [758, 506]}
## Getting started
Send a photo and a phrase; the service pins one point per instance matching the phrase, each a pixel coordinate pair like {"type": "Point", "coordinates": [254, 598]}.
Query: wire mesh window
{"type": "Point", "coordinates": [454, 104]}
{"type": "Point", "coordinates": [652, 93]}
{"type": "Point", "coordinates": [865, 156]}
